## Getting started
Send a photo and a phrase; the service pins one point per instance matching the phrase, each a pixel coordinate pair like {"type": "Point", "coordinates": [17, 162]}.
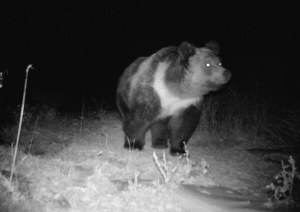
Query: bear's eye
{"type": "Point", "coordinates": [220, 64]}
{"type": "Point", "coordinates": [207, 64]}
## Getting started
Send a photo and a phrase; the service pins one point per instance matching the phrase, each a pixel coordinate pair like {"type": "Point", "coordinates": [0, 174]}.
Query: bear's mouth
{"type": "Point", "coordinates": [211, 85]}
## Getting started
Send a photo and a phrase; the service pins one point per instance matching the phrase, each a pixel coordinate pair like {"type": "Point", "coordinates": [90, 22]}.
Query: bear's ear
{"type": "Point", "coordinates": [213, 46]}
{"type": "Point", "coordinates": [186, 50]}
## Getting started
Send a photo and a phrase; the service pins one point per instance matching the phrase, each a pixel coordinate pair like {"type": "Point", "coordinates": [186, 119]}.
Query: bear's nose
{"type": "Point", "coordinates": [227, 74]}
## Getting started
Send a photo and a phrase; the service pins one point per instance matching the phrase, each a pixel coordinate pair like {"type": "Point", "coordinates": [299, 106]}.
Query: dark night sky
{"type": "Point", "coordinates": [78, 46]}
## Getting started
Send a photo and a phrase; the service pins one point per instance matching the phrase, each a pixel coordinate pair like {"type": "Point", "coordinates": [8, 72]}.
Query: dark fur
{"type": "Point", "coordinates": [140, 102]}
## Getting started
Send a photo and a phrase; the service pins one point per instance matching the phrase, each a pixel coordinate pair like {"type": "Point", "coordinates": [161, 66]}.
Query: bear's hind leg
{"type": "Point", "coordinates": [160, 134]}
{"type": "Point", "coordinates": [182, 126]}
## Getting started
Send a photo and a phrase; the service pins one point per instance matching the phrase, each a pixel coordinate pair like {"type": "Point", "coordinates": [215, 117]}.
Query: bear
{"type": "Point", "coordinates": [164, 93]}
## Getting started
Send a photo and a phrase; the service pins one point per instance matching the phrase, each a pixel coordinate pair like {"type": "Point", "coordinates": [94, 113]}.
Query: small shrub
{"type": "Point", "coordinates": [181, 170]}
{"type": "Point", "coordinates": [283, 190]}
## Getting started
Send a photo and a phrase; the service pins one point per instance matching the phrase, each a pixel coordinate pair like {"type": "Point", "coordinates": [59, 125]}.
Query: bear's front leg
{"type": "Point", "coordinates": [181, 127]}
{"type": "Point", "coordinates": [160, 134]}
{"type": "Point", "coordinates": [135, 130]}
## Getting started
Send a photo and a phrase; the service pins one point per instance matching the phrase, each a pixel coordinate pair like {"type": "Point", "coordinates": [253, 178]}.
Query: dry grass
{"type": "Point", "coordinates": [234, 113]}
{"type": "Point", "coordinates": [285, 132]}
{"type": "Point", "coordinates": [61, 184]}
{"type": "Point", "coordinates": [93, 173]}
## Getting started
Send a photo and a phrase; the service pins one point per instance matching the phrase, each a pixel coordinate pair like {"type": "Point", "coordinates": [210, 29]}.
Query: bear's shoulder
{"type": "Point", "coordinates": [167, 54]}
{"type": "Point", "coordinates": [181, 54]}
{"type": "Point", "coordinates": [134, 67]}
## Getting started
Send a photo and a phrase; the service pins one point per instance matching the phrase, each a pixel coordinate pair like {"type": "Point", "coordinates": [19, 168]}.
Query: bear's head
{"type": "Point", "coordinates": [203, 68]}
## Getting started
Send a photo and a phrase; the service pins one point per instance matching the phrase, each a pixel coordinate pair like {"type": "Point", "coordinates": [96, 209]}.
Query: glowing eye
{"type": "Point", "coordinates": [220, 64]}
{"type": "Point", "coordinates": [207, 64]}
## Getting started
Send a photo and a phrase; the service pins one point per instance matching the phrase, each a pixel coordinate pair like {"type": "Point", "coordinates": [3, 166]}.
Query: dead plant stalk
{"type": "Point", "coordinates": [20, 123]}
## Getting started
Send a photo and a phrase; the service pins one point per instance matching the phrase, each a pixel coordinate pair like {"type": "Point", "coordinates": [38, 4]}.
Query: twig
{"type": "Point", "coordinates": [163, 172]}
{"type": "Point", "coordinates": [128, 140]}
{"type": "Point", "coordinates": [136, 175]}
{"type": "Point", "coordinates": [20, 123]}
{"type": "Point", "coordinates": [131, 159]}
{"type": "Point", "coordinates": [165, 160]}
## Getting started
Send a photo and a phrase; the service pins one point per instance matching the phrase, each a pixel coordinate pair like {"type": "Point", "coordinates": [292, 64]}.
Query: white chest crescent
{"type": "Point", "coordinates": [170, 103]}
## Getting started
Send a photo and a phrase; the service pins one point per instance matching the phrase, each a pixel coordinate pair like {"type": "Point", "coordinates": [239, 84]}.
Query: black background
{"type": "Point", "coordinates": [76, 46]}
